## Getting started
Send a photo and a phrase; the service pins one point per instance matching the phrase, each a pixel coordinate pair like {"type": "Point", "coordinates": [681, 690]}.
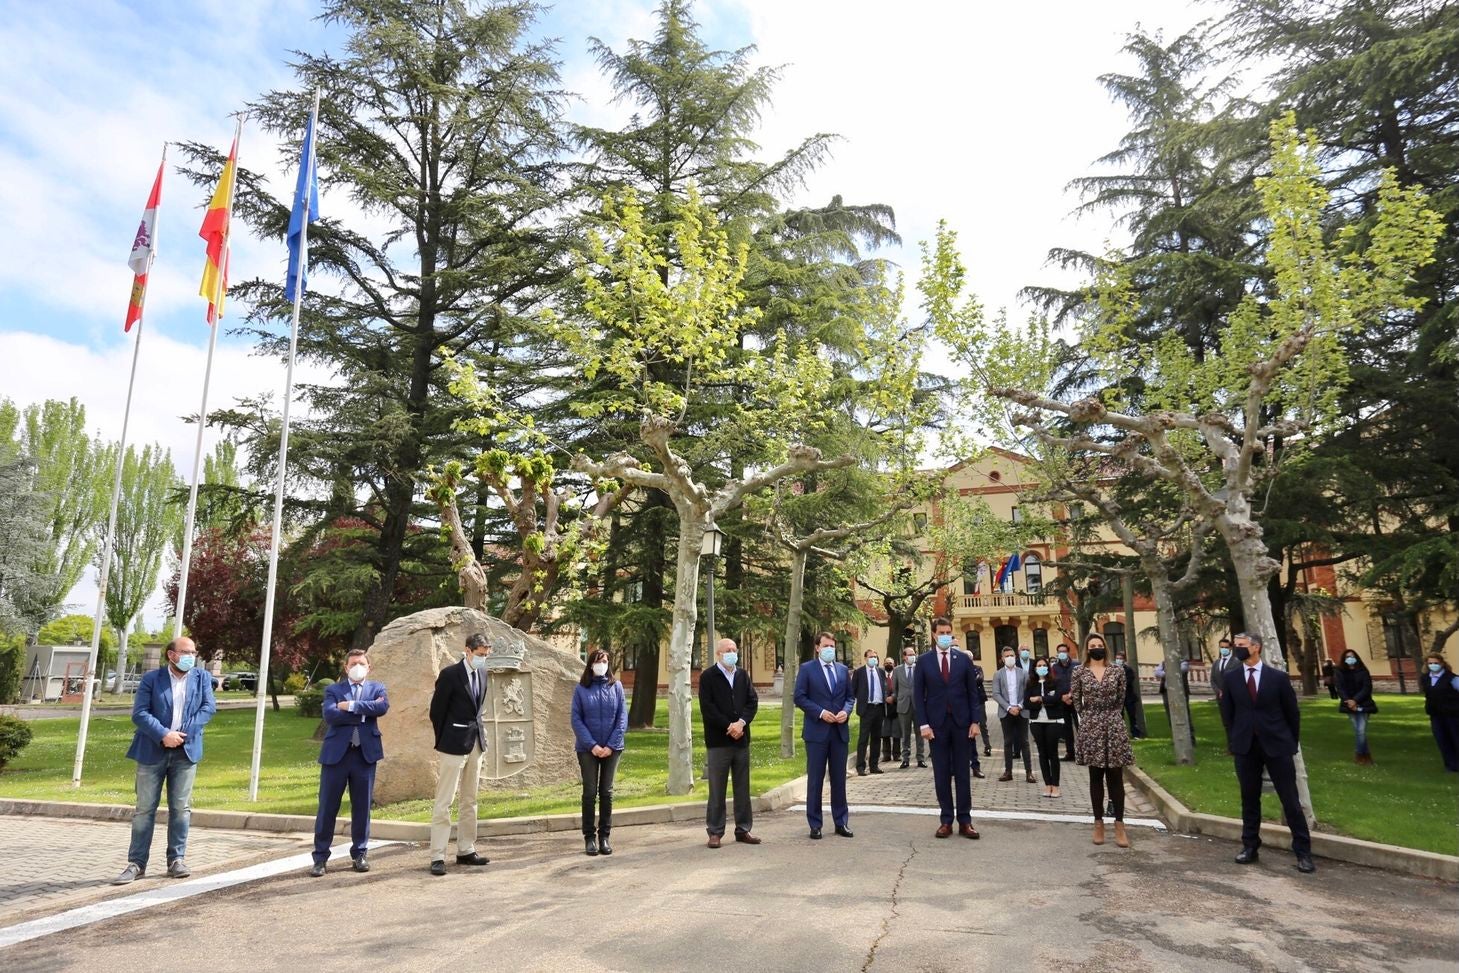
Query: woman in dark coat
{"type": "Point", "coordinates": [1355, 694]}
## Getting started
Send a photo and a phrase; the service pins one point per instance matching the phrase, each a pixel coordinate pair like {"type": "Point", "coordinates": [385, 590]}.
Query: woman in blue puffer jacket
{"type": "Point", "coordinates": [599, 722]}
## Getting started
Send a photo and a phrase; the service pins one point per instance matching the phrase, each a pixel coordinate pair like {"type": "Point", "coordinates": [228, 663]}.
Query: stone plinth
{"type": "Point", "coordinates": [527, 712]}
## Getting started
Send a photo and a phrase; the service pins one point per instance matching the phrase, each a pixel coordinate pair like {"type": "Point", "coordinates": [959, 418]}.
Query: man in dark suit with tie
{"type": "Point", "coordinates": [947, 700]}
{"type": "Point", "coordinates": [906, 712]}
{"type": "Point", "coordinates": [869, 686]}
{"type": "Point", "coordinates": [347, 758]}
{"type": "Point", "coordinates": [461, 742]}
{"type": "Point", "coordinates": [1263, 729]}
{"type": "Point", "coordinates": [823, 694]}
{"type": "Point", "coordinates": [172, 705]}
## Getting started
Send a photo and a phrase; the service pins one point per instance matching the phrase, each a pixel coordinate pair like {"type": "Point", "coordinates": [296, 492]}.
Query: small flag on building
{"type": "Point", "coordinates": [143, 247]}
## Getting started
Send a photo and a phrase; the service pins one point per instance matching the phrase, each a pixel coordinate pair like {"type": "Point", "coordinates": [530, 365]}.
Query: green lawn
{"type": "Point", "coordinates": [1406, 798]}
{"type": "Point", "coordinates": [290, 778]}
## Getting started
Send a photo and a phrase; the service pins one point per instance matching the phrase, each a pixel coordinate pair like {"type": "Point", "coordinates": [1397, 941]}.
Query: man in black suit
{"type": "Point", "coordinates": [1263, 728]}
{"type": "Point", "coordinates": [946, 701]}
{"type": "Point", "coordinates": [1063, 668]}
{"type": "Point", "coordinates": [727, 704]}
{"type": "Point", "coordinates": [461, 741]}
{"type": "Point", "coordinates": [869, 688]}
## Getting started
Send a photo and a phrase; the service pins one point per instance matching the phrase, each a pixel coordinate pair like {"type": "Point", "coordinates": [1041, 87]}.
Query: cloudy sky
{"type": "Point", "coordinates": [976, 112]}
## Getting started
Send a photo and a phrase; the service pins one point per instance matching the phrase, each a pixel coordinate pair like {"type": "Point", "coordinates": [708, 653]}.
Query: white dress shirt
{"type": "Point", "coordinates": [873, 685]}
{"type": "Point", "coordinates": [179, 697]}
{"type": "Point", "coordinates": [1012, 691]}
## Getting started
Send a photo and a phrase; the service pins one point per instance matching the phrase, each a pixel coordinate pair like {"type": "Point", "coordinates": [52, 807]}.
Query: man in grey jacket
{"type": "Point", "coordinates": [906, 725]}
{"type": "Point", "coordinates": [1009, 688]}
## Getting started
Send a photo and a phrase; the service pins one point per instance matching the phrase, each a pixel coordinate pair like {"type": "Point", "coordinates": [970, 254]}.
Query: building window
{"type": "Point", "coordinates": [1076, 511]}
{"type": "Point", "coordinates": [1040, 642]}
{"type": "Point", "coordinates": [975, 645]}
{"type": "Point", "coordinates": [1114, 636]}
{"type": "Point", "coordinates": [1033, 574]}
{"type": "Point", "coordinates": [970, 578]}
{"type": "Point", "coordinates": [1005, 637]}
{"type": "Point", "coordinates": [1400, 635]}
{"type": "Point", "coordinates": [1018, 515]}
{"type": "Point", "coordinates": [633, 591]}
{"type": "Point", "coordinates": [630, 657]}
{"type": "Point", "coordinates": [919, 521]}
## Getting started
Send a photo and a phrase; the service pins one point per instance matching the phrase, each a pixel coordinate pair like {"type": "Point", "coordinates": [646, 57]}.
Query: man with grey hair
{"type": "Point", "coordinates": [172, 705]}
{"type": "Point", "coordinates": [461, 742]}
{"type": "Point", "coordinates": [727, 704]}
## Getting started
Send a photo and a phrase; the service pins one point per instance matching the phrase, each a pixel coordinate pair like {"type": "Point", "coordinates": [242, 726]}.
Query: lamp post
{"type": "Point", "coordinates": [709, 547]}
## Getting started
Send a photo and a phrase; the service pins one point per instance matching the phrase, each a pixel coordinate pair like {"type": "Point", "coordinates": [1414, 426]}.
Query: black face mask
{"type": "Point", "coordinates": [1242, 652]}
{"type": "Point", "coordinates": [1097, 654]}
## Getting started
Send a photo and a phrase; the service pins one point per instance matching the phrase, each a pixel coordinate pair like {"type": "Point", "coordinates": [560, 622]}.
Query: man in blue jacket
{"type": "Point", "coordinates": [823, 693]}
{"type": "Point", "coordinates": [347, 758]}
{"type": "Point", "coordinates": [172, 705]}
{"type": "Point", "coordinates": [946, 698]}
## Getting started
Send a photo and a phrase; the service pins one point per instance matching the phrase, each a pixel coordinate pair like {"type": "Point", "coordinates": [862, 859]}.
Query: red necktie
{"type": "Point", "coordinates": [944, 667]}
{"type": "Point", "coordinates": [1251, 683]}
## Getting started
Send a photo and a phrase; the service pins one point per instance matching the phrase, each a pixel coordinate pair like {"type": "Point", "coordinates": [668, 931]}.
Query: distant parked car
{"type": "Point", "coordinates": [130, 682]}
{"type": "Point", "coordinates": [247, 681]}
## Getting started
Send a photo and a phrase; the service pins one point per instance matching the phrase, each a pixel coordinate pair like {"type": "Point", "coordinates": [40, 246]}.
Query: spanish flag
{"type": "Point", "coordinates": [215, 232]}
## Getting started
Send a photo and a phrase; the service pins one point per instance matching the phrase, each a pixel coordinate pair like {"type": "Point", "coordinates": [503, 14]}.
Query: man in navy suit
{"type": "Point", "coordinates": [1263, 730]}
{"type": "Point", "coordinates": [823, 693]}
{"type": "Point", "coordinates": [172, 705]}
{"type": "Point", "coordinates": [347, 758]}
{"type": "Point", "coordinates": [946, 699]}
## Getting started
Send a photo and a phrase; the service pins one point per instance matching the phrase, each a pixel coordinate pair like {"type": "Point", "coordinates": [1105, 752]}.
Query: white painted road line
{"type": "Point", "coordinates": [995, 815]}
{"type": "Point", "coordinates": [162, 895]}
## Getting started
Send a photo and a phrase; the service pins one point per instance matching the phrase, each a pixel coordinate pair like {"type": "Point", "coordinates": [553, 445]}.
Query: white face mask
{"type": "Point", "coordinates": [478, 662]}
{"type": "Point", "coordinates": [1008, 662]}
{"type": "Point", "coordinates": [600, 668]}
{"type": "Point", "coordinates": [359, 671]}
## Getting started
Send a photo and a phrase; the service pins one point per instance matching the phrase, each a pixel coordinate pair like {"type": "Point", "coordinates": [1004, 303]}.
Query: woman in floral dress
{"type": "Point", "coordinates": [1101, 742]}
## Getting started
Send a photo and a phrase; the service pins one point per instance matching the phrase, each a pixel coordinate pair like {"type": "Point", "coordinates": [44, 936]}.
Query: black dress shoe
{"type": "Point", "coordinates": [471, 859]}
{"type": "Point", "coordinates": [1304, 864]}
{"type": "Point", "coordinates": [1248, 856]}
{"type": "Point", "coordinates": [844, 831]}
{"type": "Point", "coordinates": [904, 764]}
{"type": "Point", "coordinates": [317, 870]}
{"type": "Point", "coordinates": [877, 770]}
{"type": "Point", "coordinates": [987, 751]}
{"type": "Point", "coordinates": [815, 834]}
{"type": "Point", "coordinates": [979, 774]}
{"type": "Point", "coordinates": [921, 764]}
{"type": "Point", "coordinates": [438, 867]}
{"type": "Point", "coordinates": [361, 864]}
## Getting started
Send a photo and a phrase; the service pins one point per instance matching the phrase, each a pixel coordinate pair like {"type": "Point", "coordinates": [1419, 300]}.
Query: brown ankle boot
{"type": "Point", "coordinates": [1121, 838]}
{"type": "Point", "coordinates": [1099, 832]}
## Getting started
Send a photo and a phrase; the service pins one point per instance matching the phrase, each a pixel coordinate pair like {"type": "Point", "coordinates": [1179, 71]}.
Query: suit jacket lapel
{"type": "Point", "coordinates": [165, 704]}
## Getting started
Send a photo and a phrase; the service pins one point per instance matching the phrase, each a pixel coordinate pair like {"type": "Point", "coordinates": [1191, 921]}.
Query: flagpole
{"type": "Point", "coordinates": [111, 521]}
{"type": "Point", "coordinates": [273, 560]}
{"type": "Point", "coordinates": [217, 324]}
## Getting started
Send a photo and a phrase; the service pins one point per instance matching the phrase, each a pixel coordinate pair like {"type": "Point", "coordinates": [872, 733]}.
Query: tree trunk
{"type": "Point", "coordinates": [681, 651]}
{"type": "Point", "coordinates": [1253, 569]}
{"type": "Point", "coordinates": [792, 653]}
{"type": "Point", "coordinates": [116, 685]}
{"type": "Point", "coordinates": [642, 710]}
{"type": "Point", "coordinates": [1175, 698]}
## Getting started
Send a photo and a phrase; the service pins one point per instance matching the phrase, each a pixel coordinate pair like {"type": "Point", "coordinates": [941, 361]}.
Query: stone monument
{"type": "Point", "coordinates": [527, 712]}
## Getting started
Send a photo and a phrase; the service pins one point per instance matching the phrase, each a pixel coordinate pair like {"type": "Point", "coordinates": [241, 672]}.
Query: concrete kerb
{"type": "Point", "coordinates": [1409, 861]}
{"type": "Point", "coordinates": [787, 794]}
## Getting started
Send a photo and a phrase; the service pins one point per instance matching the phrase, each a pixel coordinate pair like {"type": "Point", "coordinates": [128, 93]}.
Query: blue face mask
{"type": "Point", "coordinates": [186, 662]}
{"type": "Point", "coordinates": [1063, 657]}
{"type": "Point", "coordinates": [944, 641]}
{"type": "Point", "coordinates": [1435, 668]}
{"type": "Point", "coordinates": [828, 653]}
{"type": "Point", "coordinates": [1351, 660]}
{"type": "Point", "coordinates": [731, 659]}
{"type": "Point", "coordinates": [1042, 670]}
{"type": "Point", "coordinates": [1225, 652]}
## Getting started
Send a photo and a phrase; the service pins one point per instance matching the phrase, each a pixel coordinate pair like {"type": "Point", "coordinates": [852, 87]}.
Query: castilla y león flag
{"type": "Point", "coordinates": [215, 232]}
{"type": "Point", "coordinates": [143, 246]}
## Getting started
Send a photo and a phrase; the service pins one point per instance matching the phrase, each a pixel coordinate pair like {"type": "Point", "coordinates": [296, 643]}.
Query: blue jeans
{"type": "Point", "coordinates": [1360, 732]}
{"type": "Point", "coordinates": [179, 773]}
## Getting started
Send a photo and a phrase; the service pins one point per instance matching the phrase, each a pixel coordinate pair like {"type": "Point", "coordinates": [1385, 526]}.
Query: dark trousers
{"type": "Point", "coordinates": [1115, 777]}
{"type": "Point", "coordinates": [1047, 736]}
{"type": "Point", "coordinates": [1446, 734]}
{"type": "Point", "coordinates": [891, 737]}
{"type": "Point", "coordinates": [358, 774]}
{"type": "Point", "coordinates": [826, 755]}
{"type": "Point", "coordinates": [1137, 732]}
{"type": "Point", "coordinates": [907, 726]}
{"type": "Point", "coordinates": [598, 790]}
{"type": "Point", "coordinates": [1071, 723]}
{"type": "Point", "coordinates": [1015, 741]}
{"type": "Point", "coordinates": [869, 731]}
{"type": "Point", "coordinates": [722, 762]}
{"type": "Point", "coordinates": [951, 755]}
{"type": "Point", "coordinates": [1283, 772]}
{"type": "Point", "coordinates": [984, 739]}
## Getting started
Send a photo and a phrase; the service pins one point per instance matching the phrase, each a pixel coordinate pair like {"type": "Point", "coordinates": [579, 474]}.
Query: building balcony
{"type": "Point", "coordinates": [1000, 599]}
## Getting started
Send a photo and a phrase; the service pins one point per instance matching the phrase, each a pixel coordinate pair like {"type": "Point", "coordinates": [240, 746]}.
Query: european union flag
{"type": "Point", "coordinates": [306, 199]}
